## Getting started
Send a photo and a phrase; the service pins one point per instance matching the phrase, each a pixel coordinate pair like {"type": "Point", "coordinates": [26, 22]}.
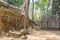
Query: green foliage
{"type": "Point", "coordinates": [49, 11]}
{"type": "Point", "coordinates": [37, 16]}
{"type": "Point", "coordinates": [16, 3]}
{"type": "Point", "coordinates": [41, 5]}
{"type": "Point", "coordinates": [37, 4]}
{"type": "Point", "coordinates": [45, 2]}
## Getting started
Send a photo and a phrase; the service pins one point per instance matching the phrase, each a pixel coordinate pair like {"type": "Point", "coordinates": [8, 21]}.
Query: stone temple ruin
{"type": "Point", "coordinates": [52, 21]}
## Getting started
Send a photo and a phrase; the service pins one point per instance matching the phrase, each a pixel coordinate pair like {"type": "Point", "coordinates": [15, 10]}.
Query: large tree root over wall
{"type": "Point", "coordinates": [11, 19]}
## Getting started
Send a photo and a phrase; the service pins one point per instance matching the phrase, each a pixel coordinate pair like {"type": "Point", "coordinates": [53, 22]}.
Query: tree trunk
{"type": "Point", "coordinates": [33, 11]}
{"type": "Point", "coordinates": [26, 18]}
{"type": "Point", "coordinates": [54, 6]}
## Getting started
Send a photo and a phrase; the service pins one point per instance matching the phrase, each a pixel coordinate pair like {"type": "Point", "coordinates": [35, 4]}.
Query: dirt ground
{"type": "Point", "coordinates": [38, 35]}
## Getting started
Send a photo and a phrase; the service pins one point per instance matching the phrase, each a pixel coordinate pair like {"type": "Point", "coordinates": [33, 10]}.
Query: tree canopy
{"type": "Point", "coordinates": [17, 3]}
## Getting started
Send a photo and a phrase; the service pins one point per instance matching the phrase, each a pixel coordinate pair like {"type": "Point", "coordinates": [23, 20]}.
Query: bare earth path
{"type": "Point", "coordinates": [39, 35]}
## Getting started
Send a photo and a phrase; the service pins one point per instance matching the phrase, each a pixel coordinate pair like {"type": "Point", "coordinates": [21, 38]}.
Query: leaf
{"type": "Point", "coordinates": [37, 4]}
{"type": "Point", "coordinates": [45, 2]}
